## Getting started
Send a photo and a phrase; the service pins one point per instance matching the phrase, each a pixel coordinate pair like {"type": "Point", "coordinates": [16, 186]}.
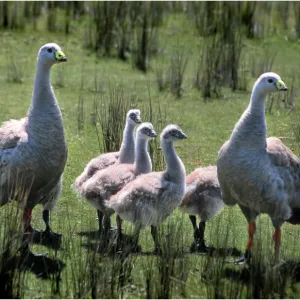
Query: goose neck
{"type": "Point", "coordinates": [175, 169]}
{"type": "Point", "coordinates": [143, 161]}
{"type": "Point", "coordinates": [44, 115]}
{"type": "Point", "coordinates": [257, 102]}
{"type": "Point", "coordinates": [41, 80]}
{"type": "Point", "coordinates": [251, 129]}
{"type": "Point", "coordinates": [127, 151]}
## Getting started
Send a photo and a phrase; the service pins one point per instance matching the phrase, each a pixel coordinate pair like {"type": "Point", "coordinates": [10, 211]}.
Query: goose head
{"type": "Point", "coordinates": [172, 133]}
{"type": "Point", "coordinates": [269, 83]}
{"type": "Point", "coordinates": [51, 54]}
{"type": "Point", "coordinates": [134, 116]}
{"type": "Point", "coordinates": [146, 131]}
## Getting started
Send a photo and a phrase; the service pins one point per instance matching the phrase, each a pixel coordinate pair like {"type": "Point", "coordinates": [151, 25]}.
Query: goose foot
{"type": "Point", "coordinates": [50, 235]}
{"type": "Point", "coordinates": [129, 245]}
{"type": "Point", "coordinates": [104, 236]}
{"type": "Point", "coordinates": [106, 233]}
{"type": "Point", "coordinates": [34, 232]}
{"type": "Point", "coordinates": [244, 259]}
{"type": "Point", "coordinates": [127, 249]}
{"type": "Point", "coordinates": [47, 237]}
{"type": "Point", "coordinates": [44, 233]}
{"type": "Point", "coordinates": [202, 248]}
{"type": "Point", "coordinates": [157, 251]}
{"type": "Point", "coordinates": [26, 254]}
{"type": "Point", "coordinates": [199, 246]}
{"type": "Point", "coordinates": [113, 228]}
{"type": "Point", "coordinates": [121, 243]}
{"type": "Point", "coordinates": [136, 249]}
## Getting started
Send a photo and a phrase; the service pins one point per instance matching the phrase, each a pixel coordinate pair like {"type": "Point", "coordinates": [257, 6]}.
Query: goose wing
{"type": "Point", "coordinates": [108, 182]}
{"type": "Point", "coordinates": [101, 162]}
{"type": "Point", "coordinates": [224, 167]}
{"type": "Point", "coordinates": [280, 155]}
{"type": "Point", "coordinates": [12, 132]}
{"type": "Point", "coordinates": [287, 166]}
{"type": "Point", "coordinates": [96, 164]}
{"type": "Point", "coordinates": [203, 195]}
{"type": "Point", "coordinates": [138, 201]}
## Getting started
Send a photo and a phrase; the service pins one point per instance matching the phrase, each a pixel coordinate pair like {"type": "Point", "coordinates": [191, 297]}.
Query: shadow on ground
{"type": "Point", "coordinates": [42, 266]}
{"type": "Point", "coordinates": [219, 252]}
{"type": "Point", "coordinates": [91, 235]}
{"type": "Point", "coordinates": [95, 234]}
{"type": "Point", "coordinates": [287, 269]}
{"type": "Point", "coordinates": [51, 241]}
{"type": "Point", "coordinates": [109, 245]}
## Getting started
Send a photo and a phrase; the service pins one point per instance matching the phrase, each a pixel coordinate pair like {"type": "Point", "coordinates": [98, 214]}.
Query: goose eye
{"type": "Point", "coordinates": [270, 80]}
{"type": "Point", "coordinates": [49, 50]}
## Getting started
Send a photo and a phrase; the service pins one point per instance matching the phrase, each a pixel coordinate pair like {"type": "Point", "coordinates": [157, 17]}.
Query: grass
{"type": "Point", "coordinates": [207, 124]}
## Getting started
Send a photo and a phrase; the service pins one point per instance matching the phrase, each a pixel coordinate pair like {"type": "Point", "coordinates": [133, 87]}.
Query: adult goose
{"type": "Point", "coordinates": [33, 150]}
{"type": "Point", "coordinates": [260, 175]}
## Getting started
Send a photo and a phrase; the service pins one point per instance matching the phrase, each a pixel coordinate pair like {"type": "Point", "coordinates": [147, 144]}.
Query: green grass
{"type": "Point", "coordinates": [207, 125]}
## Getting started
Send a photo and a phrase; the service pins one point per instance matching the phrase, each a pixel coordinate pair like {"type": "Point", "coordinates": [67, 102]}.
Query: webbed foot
{"type": "Point", "coordinates": [199, 246]}
{"type": "Point", "coordinates": [244, 259]}
{"type": "Point", "coordinates": [157, 251]}
{"type": "Point", "coordinates": [47, 237]}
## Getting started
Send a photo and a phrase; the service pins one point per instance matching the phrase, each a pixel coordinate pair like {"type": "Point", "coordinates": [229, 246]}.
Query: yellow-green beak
{"type": "Point", "coordinates": [281, 85]}
{"type": "Point", "coordinates": [60, 56]}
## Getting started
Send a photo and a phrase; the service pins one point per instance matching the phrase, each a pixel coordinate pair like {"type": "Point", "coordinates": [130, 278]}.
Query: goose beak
{"type": "Point", "coordinates": [138, 120]}
{"type": "Point", "coordinates": [153, 134]}
{"type": "Point", "coordinates": [281, 86]}
{"type": "Point", "coordinates": [182, 136]}
{"type": "Point", "coordinates": [60, 56]}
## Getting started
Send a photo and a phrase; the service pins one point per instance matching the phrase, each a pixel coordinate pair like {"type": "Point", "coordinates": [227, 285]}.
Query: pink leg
{"type": "Point", "coordinates": [276, 238]}
{"type": "Point", "coordinates": [27, 224]}
{"type": "Point", "coordinates": [27, 228]}
{"type": "Point", "coordinates": [27, 220]}
{"type": "Point", "coordinates": [251, 232]}
{"type": "Point", "coordinates": [246, 258]}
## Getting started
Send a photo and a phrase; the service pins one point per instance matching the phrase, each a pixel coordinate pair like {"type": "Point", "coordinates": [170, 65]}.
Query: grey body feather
{"type": "Point", "coordinates": [203, 195]}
